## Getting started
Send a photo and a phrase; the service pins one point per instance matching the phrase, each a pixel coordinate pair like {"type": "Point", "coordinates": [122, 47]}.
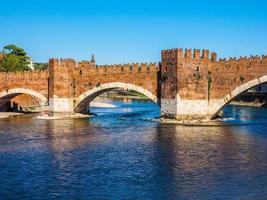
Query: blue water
{"type": "Point", "coordinates": [120, 154]}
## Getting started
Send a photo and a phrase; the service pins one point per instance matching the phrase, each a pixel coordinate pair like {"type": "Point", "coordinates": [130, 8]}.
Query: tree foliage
{"type": "Point", "coordinates": [14, 59]}
{"type": "Point", "coordinates": [40, 66]}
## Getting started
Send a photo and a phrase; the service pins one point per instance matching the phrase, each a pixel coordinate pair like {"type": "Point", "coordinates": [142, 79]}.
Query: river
{"type": "Point", "coordinates": [121, 154]}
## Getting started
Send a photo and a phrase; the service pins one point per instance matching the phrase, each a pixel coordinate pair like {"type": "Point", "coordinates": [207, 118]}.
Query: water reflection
{"type": "Point", "coordinates": [205, 161]}
{"type": "Point", "coordinates": [119, 154]}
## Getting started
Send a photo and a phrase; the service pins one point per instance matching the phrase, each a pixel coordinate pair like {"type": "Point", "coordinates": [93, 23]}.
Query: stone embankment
{"type": "Point", "coordinates": [62, 116]}
{"type": "Point", "coordinates": [4, 115]}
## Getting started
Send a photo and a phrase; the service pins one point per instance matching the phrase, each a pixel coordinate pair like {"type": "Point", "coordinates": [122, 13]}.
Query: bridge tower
{"type": "Point", "coordinates": [61, 85]}
{"type": "Point", "coordinates": [185, 83]}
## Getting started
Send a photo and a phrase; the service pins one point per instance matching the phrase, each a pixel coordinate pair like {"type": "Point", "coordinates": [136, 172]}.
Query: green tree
{"type": "Point", "coordinates": [40, 66]}
{"type": "Point", "coordinates": [14, 59]}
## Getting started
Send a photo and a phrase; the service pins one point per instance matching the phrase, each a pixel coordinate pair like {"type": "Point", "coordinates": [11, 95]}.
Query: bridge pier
{"type": "Point", "coordinates": [61, 105]}
{"type": "Point", "coordinates": [192, 109]}
{"type": "Point", "coordinates": [61, 86]}
{"type": "Point", "coordinates": [185, 109]}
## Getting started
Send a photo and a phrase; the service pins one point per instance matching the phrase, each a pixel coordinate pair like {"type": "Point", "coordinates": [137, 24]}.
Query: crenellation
{"type": "Point", "coordinates": [128, 68]}
{"type": "Point", "coordinates": [222, 60]}
{"type": "Point", "coordinates": [180, 53]}
{"type": "Point", "coordinates": [205, 54]}
{"type": "Point", "coordinates": [188, 54]}
{"type": "Point", "coordinates": [196, 54]}
{"type": "Point", "coordinates": [244, 61]}
{"type": "Point", "coordinates": [213, 57]}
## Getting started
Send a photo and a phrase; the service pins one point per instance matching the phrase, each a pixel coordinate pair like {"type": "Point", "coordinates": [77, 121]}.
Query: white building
{"type": "Point", "coordinates": [30, 65]}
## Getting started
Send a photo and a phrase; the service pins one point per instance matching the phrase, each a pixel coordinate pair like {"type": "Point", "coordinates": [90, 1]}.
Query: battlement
{"type": "Point", "coordinates": [130, 67]}
{"type": "Point", "coordinates": [60, 62]}
{"type": "Point", "coordinates": [103, 69]}
{"type": "Point", "coordinates": [40, 74]}
{"type": "Point", "coordinates": [234, 60]}
{"type": "Point", "coordinates": [189, 54]}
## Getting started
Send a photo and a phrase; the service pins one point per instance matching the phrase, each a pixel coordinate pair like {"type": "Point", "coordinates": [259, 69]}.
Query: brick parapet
{"type": "Point", "coordinates": [77, 77]}
{"type": "Point", "coordinates": [103, 69]}
{"type": "Point", "coordinates": [42, 74]}
{"type": "Point", "coordinates": [189, 55]}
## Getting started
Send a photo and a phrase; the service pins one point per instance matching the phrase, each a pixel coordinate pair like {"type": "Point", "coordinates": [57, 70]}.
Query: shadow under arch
{"type": "Point", "coordinates": [234, 93]}
{"type": "Point", "coordinates": [8, 94]}
{"type": "Point", "coordinates": [81, 103]}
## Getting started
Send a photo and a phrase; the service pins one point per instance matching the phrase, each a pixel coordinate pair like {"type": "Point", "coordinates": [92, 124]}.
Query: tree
{"type": "Point", "coordinates": [40, 66]}
{"type": "Point", "coordinates": [14, 59]}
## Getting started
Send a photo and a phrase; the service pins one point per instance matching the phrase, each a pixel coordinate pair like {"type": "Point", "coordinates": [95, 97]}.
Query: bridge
{"type": "Point", "coordinates": [186, 83]}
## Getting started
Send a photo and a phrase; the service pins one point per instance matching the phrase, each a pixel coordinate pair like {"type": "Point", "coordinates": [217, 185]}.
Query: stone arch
{"type": "Point", "coordinates": [82, 101]}
{"type": "Point", "coordinates": [8, 94]}
{"type": "Point", "coordinates": [220, 104]}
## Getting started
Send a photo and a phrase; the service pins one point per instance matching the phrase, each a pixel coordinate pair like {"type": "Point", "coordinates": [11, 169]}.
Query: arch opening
{"type": "Point", "coordinates": [14, 94]}
{"type": "Point", "coordinates": [83, 101]}
{"type": "Point", "coordinates": [237, 92]}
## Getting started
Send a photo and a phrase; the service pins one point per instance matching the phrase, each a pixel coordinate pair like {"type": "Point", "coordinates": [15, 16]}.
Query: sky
{"type": "Point", "coordinates": [125, 31]}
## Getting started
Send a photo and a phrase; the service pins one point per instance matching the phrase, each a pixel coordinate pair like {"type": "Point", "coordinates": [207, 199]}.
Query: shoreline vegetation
{"type": "Point", "coordinates": [4, 115]}
{"type": "Point", "coordinates": [249, 104]}
{"type": "Point", "coordinates": [125, 95]}
{"type": "Point", "coordinates": [39, 115]}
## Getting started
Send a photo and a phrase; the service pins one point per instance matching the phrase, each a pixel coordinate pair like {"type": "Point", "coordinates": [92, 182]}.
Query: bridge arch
{"type": "Point", "coordinates": [84, 99]}
{"type": "Point", "coordinates": [219, 105]}
{"type": "Point", "coordinates": [8, 94]}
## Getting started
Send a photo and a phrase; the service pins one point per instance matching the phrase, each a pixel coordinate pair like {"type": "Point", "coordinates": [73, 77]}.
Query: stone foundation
{"type": "Point", "coordinates": [192, 109]}
{"type": "Point", "coordinates": [64, 105]}
{"type": "Point", "coordinates": [169, 108]}
{"type": "Point", "coordinates": [188, 109]}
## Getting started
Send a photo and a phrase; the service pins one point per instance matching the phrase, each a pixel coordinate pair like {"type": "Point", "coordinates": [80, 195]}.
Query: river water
{"type": "Point", "coordinates": [121, 154]}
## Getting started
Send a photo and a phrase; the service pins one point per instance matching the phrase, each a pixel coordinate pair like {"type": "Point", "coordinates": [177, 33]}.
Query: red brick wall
{"type": "Point", "coordinates": [169, 75]}
{"type": "Point", "coordinates": [71, 79]}
{"type": "Point", "coordinates": [61, 77]}
{"type": "Point", "coordinates": [198, 75]}
{"type": "Point", "coordinates": [36, 80]}
{"type": "Point", "coordinates": [187, 73]}
{"type": "Point", "coordinates": [231, 73]}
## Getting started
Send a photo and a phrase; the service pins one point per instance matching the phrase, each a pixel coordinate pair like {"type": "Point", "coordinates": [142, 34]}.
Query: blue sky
{"type": "Point", "coordinates": [122, 31]}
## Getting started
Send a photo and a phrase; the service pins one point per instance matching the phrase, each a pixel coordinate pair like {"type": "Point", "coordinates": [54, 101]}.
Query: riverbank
{"type": "Point", "coordinates": [124, 94]}
{"type": "Point", "coordinates": [249, 104]}
{"type": "Point", "coordinates": [115, 96]}
{"type": "Point", "coordinates": [4, 115]}
{"type": "Point", "coordinates": [62, 116]}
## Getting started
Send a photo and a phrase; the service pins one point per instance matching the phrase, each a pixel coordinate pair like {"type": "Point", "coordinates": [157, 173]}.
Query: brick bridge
{"type": "Point", "coordinates": [186, 83]}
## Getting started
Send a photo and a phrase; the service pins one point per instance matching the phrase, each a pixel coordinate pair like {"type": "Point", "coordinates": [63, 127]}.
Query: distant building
{"type": "Point", "coordinates": [93, 58]}
{"type": "Point", "coordinates": [30, 65]}
{"type": "Point", "coordinates": [259, 89]}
